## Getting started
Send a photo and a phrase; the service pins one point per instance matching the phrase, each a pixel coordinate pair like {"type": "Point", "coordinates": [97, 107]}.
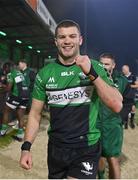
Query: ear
{"type": "Point", "coordinates": [81, 40]}
{"type": "Point", "coordinates": [114, 65]}
{"type": "Point", "coordinates": [55, 41]}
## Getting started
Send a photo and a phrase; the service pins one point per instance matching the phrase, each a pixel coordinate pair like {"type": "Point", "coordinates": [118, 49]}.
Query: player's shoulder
{"type": "Point", "coordinates": [98, 67]}
{"type": "Point", "coordinates": [12, 72]}
{"type": "Point", "coordinates": [48, 66]}
{"type": "Point", "coordinates": [123, 78]}
{"type": "Point", "coordinates": [97, 64]}
{"type": "Point", "coordinates": [46, 71]}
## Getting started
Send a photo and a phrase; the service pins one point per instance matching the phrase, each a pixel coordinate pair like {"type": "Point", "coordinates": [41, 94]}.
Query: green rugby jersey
{"type": "Point", "coordinates": [29, 76]}
{"type": "Point", "coordinates": [73, 103]}
{"type": "Point", "coordinates": [16, 77]}
{"type": "Point", "coordinates": [106, 116]}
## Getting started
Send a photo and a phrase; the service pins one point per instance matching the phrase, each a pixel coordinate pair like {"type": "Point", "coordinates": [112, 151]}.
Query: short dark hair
{"type": "Point", "coordinates": [108, 55]}
{"type": "Point", "coordinates": [23, 60]}
{"type": "Point", "coordinates": [7, 65]}
{"type": "Point", "coordinates": [67, 23]}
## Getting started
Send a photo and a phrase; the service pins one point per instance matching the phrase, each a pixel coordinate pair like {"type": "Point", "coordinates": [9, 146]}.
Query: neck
{"type": "Point", "coordinates": [24, 68]}
{"type": "Point", "coordinates": [67, 61]}
{"type": "Point", "coordinates": [128, 74]}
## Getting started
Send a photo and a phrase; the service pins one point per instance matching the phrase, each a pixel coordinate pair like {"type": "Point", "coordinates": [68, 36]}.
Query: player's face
{"type": "Point", "coordinates": [21, 65]}
{"type": "Point", "coordinates": [68, 42]}
{"type": "Point", "coordinates": [109, 65]}
{"type": "Point", "coordinates": [125, 70]}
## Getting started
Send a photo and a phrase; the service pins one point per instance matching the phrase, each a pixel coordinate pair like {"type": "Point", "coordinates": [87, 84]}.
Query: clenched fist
{"type": "Point", "coordinates": [84, 62]}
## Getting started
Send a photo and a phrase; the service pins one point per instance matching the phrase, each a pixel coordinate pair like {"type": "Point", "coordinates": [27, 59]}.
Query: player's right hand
{"type": "Point", "coordinates": [26, 160]}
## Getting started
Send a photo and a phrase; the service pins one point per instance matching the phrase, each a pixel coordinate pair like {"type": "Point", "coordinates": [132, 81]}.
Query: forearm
{"type": "Point", "coordinates": [135, 86]}
{"type": "Point", "coordinates": [31, 132]}
{"type": "Point", "coordinates": [32, 127]}
{"type": "Point", "coordinates": [109, 95]}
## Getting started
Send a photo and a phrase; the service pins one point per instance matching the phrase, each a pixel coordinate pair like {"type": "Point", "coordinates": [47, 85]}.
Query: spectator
{"type": "Point", "coordinates": [129, 101]}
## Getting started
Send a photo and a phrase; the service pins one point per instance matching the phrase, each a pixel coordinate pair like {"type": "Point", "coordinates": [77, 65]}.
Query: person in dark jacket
{"type": "Point", "coordinates": [129, 102]}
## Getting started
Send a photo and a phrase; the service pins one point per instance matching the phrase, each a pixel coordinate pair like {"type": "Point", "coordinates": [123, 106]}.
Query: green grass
{"type": "Point", "coordinates": [7, 139]}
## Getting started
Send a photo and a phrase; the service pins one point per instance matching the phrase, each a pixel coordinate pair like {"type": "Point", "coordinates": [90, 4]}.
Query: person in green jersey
{"type": "Point", "coordinates": [29, 76]}
{"type": "Point", "coordinates": [110, 123]}
{"type": "Point", "coordinates": [16, 100]}
{"type": "Point", "coordinates": [71, 86]}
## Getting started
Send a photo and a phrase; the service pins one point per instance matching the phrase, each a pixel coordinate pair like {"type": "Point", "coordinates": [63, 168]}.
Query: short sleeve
{"type": "Point", "coordinates": [10, 78]}
{"type": "Point", "coordinates": [39, 91]}
{"type": "Point", "coordinates": [98, 67]}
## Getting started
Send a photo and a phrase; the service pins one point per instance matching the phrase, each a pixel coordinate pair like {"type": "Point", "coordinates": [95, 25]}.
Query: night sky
{"type": "Point", "coordinates": [107, 26]}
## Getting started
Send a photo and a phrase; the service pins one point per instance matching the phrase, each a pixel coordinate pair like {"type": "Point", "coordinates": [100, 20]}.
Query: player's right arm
{"type": "Point", "coordinates": [33, 120]}
{"type": "Point", "coordinates": [31, 132]}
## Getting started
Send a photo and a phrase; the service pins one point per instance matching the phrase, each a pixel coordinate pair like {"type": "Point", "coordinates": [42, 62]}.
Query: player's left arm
{"type": "Point", "coordinates": [108, 94]}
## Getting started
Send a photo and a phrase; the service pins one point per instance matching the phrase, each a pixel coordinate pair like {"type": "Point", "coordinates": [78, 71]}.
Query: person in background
{"type": "Point", "coordinates": [3, 84]}
{"type": "Point", "coordinates": [71, 86]}
{"type": "Point", "coordinates": [129, 102]}
{"type": "Point", "coordinates": [110, 123]}
{"type": "Point", "coordinates": [29, 75]}
{"type": "Point", "coordinates": [18, 95]}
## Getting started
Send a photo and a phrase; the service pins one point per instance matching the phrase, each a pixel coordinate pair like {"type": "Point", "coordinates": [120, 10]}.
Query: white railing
{"type": "Point", "coordinates": [45, 15]}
